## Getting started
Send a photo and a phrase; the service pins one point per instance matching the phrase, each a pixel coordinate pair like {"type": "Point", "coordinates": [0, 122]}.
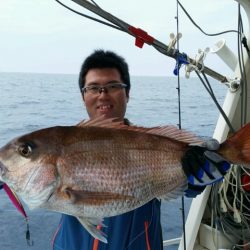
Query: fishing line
{"type": "Point", "coordinates": [178, 73]}
{"type": "Point", "coordinates": [17, 203]}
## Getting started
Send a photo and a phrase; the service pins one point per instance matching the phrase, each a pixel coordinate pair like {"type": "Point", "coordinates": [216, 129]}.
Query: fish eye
{"type": "Point", "coordinates": [25, 150]}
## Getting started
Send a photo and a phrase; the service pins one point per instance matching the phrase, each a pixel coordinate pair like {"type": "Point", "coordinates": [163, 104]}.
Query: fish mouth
{"type": "Point", "coordinates": [3, 170]}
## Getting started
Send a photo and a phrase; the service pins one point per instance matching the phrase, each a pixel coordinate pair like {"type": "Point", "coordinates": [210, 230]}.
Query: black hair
{"type": "Point", "coordinates": [105, 59]}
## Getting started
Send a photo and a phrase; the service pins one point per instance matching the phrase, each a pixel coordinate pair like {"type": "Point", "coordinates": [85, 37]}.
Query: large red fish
{"type": "Point", "coordinates": [102, 169]}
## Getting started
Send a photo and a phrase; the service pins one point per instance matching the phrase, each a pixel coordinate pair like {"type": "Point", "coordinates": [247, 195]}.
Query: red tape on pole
{"type": "Point", "coordinates": [141, 36]}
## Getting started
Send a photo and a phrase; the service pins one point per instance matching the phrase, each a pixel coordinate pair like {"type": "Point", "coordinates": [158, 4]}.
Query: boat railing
{"type": "Point", "coordinates": [170, 242]}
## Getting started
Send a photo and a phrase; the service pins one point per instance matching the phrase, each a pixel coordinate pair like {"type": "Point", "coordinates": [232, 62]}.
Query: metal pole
{"type": "Point", "coordinates": [161, 47]}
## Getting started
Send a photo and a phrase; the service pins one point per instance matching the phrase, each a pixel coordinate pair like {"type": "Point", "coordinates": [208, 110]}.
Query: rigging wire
{"type": "Point", "coordinates": [90, 17]}
{"type": "Point", "coordinates": [95, 3]}
{"type": "Point", "coordinates": [197, 26]}
{"type": "Point", "coordinates": [209, 89]}
{"type": "Point", "coordinates": [239, 32]}
{"type": "Point", "coordinates": [242, 71]}
{"type": "Point", "coordinates": [240, 66]}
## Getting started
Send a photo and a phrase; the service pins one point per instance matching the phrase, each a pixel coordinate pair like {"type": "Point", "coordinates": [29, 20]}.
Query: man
{"type": "Point", "coordinates": [105, 84]}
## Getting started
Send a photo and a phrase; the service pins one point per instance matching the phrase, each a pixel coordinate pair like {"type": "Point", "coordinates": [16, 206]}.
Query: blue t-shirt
{"type": "Point", "coordinates": [139, 229]}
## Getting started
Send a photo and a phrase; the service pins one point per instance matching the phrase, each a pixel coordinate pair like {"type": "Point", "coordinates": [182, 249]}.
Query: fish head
{"type": "Point", "coordinates": [28, 166]}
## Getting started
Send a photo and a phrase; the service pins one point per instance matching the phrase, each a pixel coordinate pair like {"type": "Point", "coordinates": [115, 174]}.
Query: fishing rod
{"type": "Point", "coordinates": [142, 37]}
{"type": "Point", "coordinates": [180, 124]}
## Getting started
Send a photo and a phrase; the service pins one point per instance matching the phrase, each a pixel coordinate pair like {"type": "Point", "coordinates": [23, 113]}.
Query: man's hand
{"type": "Point", "coordinates": [203, 166]}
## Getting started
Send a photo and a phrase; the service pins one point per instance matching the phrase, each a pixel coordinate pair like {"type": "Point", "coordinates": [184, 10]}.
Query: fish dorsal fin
{"type": "Point", "coordinates": [165, 131]}
{"type": "Point", "coordinates": [176, 134]}
{"type": "Point", "coordinates": [102, 122]}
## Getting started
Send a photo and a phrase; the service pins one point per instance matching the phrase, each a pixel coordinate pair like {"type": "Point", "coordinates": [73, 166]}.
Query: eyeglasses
{"type": "Point", "coordinates": [108, 88]}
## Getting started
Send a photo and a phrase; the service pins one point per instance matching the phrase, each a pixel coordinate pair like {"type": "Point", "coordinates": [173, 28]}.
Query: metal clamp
{"type": "Point", "coordinates": [199, 60]}
{"type": "Point", "coordinates": [200, 57]}
{"type": "Point", "coordinates": [189, 68]}
{"type": "Point", "coordinates": [233, 84]}
{"type": "Point", "coordinates": [173, 40]}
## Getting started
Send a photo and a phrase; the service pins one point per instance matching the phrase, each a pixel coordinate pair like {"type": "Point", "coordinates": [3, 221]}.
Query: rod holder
{"type": "Point", "coordinates": [224, 52]}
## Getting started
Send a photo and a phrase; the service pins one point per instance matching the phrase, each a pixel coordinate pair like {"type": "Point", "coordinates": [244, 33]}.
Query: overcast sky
{"type": "Point", "coordinates": [42, 36]}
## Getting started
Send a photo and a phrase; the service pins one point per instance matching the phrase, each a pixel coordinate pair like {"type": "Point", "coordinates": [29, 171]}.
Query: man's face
{"type": "Point", "coordinates": [111, 105]}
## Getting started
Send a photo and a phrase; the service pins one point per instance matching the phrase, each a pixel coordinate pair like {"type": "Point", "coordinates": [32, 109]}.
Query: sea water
{"type": "Point", "coordinates": [32, 101]}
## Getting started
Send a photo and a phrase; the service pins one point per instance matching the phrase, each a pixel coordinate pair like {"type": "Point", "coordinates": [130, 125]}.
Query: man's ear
{"type": "Point", "coordinates": [83, 99]}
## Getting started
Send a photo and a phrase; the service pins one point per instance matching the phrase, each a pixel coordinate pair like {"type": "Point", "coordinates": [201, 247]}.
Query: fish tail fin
{"type": "Point", "coordinates": [236, 149]}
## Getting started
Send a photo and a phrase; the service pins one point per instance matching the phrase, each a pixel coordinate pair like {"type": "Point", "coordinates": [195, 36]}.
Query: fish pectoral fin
{"type": "Point", "coordinates": [176, 193]}
{"type": "Point", "coordinates": [95, 221]}
{"type": "Point", "coordinates": [90, 224]}
{"type": "Point", "coordinates": [94, 197]}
